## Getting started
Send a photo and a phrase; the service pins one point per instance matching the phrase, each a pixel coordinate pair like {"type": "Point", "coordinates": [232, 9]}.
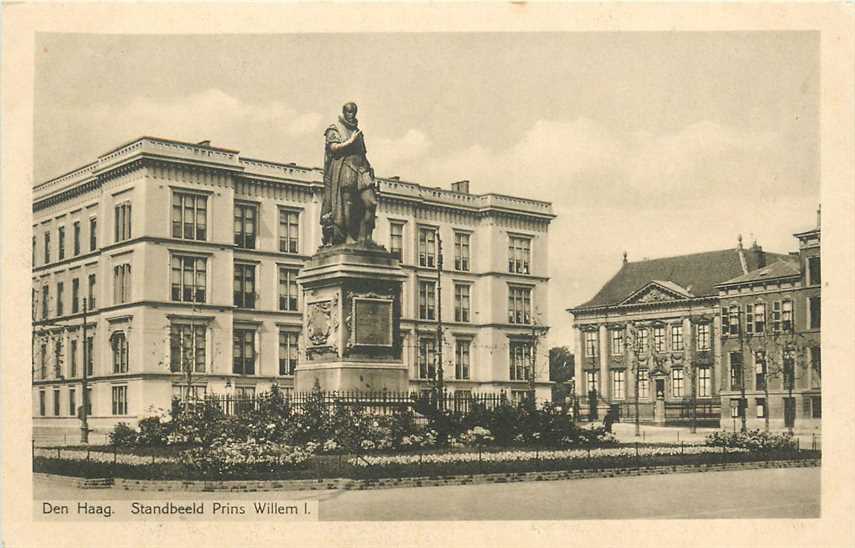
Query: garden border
{"type": "Point", "coordinates": [250, 486]}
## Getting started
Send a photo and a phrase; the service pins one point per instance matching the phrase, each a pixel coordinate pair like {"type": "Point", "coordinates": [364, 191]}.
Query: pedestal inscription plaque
{"type": "Point", "coordinates": [372, 321]}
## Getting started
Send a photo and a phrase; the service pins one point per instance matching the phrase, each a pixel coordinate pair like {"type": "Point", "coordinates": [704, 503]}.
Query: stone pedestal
{"type": "Point", "coordinates": [659, 412]}
{"type": "Point", "coordinates": [351, 338]}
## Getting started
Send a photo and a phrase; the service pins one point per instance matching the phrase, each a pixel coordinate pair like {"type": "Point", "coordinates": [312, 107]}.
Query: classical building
{"type": "Point", "coordinates": [186, 256]}
{"type": "Point", "coordinates": [655, 328]}
{"type": "Point", "coordinates": [770, 335]}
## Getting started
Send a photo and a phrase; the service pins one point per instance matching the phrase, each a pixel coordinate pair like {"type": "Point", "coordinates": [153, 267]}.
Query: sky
{"type": "Point", "coordinates": [653, 143]}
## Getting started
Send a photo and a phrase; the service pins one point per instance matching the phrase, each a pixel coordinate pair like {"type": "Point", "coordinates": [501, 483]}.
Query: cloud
{"type": "Point", "coordinates": [397, 154]}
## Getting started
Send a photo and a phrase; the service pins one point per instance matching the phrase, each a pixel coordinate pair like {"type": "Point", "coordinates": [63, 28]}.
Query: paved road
{"type": "Point", "coordinates": [782, 493]}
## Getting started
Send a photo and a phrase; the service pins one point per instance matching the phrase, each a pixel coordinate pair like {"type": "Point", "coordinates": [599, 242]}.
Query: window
{"type": "Point", "coordinates": [704, 382]}
{"type": "Point", "coordinates": [759, 370]}
{"type": "Point", "coordinates": [122, 221]}
{"type": "Point", "coordinates": [287, 352]}
{"type": "Point", "coordinates": [787, 315]}
{"type": "Point", "coordinates": [677, 383]}
{"type": "Point", "coordinates": [461, 359]}
{"type": "Point", "coordinates": [815, 312]}
{"type": "Point", "coordinates": [461, 251]}
{"type": "Point", "coordinates": [659, 339]}
{"type": "Point", "coordinates": [120, 400]}
{"type": "Point", "coordinates": [245, 215]}
{"type": "Point", "coordinates": [816, 366]}
{"type": "Point", "coordinates": [57, 357]}
{"type": "Point", "coordinates": [641, 341]}
{"type": "Point", "coordinates": [289, 231]}
{"type": "Point", "coordinates": [189, 216]}
{"type": "Point", "coordinates": [643, 384]}
{"type": "Point", "coordinates": [427, 247]}
{"type": "Point", "coordinates": [789, 363]}
{"type": "Point", "coordinates": [733, 320]}
{"type": "Point", "coordinates": [761, 407]}
{"type": "Point", "coordinates": [519, 305]}
{"type": "Point", "coordinates": [244, 286]}
{"type": "Point", "coordinates": [243, 353]}
{"type": "Point", "coordinates": [749, 319]}
{"type": "Point", "coordinates": [776, 317]}
{"type": "Point", "coordinates": [194, 393]}
{"type": "Point", "coordinates": [591, 344]}
{"type": "Point", "coordinates": [47, 247]}
{"type": "Point", "coordinates": [520, 360]}
{"type": "Point", "coordinates": [56, 402]}
{"type": "Point", "coordinates": [287, 289]}
{"type": "Point", "coordinates": [677, 338]}
{"type": "Point", "coordinates": [427, 300]}
{"type": "Point", "coordinates": [187, 346]}
{"type": "Point", "coordinates": [41, 403]}
{"type": "Point", "coordinates": [461, 302]}
{"type": "Point", "coordinates": [90, 357]}
{"type": "Point", "coordinates": [427, 355]}
{"type": "Point", "coordinates": [592, 381]}
{"type": "Point", "coordinates": [814, 271]}
{"type": "Point", "coordinates": [396, 240]}
{"type": "Point", "coordinates": [816, 407]}
{"type": "Point", "coordinates": [90, 304]}
{"type": "Point", "coordinates": [759, 318]}
{"type": "Point", "coordinates": [60, 304]}
{"type": "Point", "coordinates": [93, 234]}
{"type": "Point", "coordinates": [735, 370]}
{"type": "Point", "coordinates": [72, 402]}
{"type": "Point", "coordinates": [618, 384]}
{"type": "Point", "coordinates": [616, 342]}
{"type": "Point", "coordinates": [61, 242]}
{"type": "Point", "coordinates": [120, 352]}
{"type": "Point", "coordinates": [75, 295]}
{"type": "Point", "coordinates": [189, 278]}
{"type": "Point", "coordinates": [519, 255]}
{"type": "Point", "coordinates": [76, 238]}
{"type": "Point", "coordinates": [72, 359]}
{"type": "Point", "coordinates": [87, 394]}
{"type": "Point", "coordinates": [45, 301]}
{"type": "Point", "coordinates": [703, 337]}
{"type": "Point", "coordinates": [34, 251]}
{"type": "Point", "coordinates": [121, 283]}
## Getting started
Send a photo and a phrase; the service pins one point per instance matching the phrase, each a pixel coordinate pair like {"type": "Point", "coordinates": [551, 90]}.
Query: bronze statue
{"type": "Point", "coordinates": [350, 197]}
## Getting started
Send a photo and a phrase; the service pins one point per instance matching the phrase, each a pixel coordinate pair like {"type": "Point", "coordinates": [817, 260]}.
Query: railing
{"type": "Point", "coordinates": [378, 403]}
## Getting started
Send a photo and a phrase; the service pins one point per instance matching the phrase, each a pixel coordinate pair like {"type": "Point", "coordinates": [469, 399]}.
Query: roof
{"type": "Point", "coordinates": [694, 275]}
{"type": "Point", "coordinates": [782, 268]}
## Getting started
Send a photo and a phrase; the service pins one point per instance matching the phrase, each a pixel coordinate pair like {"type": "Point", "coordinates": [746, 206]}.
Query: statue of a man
{"type": "Point", "coordinates": [350, 199]}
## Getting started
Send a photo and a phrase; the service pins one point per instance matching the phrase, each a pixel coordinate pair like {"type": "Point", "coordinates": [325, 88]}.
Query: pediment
{"type": "Point", "coordinates": [656, 291]}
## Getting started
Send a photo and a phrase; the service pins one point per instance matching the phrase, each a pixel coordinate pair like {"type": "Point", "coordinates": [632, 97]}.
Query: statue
{"type": "Point", "coordinates": [350, 197]}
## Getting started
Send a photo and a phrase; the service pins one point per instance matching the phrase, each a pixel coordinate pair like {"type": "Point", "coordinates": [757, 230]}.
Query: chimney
{"type": "Point", "coordinates": [624, 258]}
{"type": "Point", "coordinates": [205, 143]}
{"type": "Point", "coordinates": [758, 254]}
{"type": "Point", "coordinates": [818, 216]}
{"type": "Point", "coordinates": [461, 186]}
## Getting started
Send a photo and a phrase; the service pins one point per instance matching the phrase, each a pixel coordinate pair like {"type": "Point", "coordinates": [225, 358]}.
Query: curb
{"type": "Point", "coordinates": [250, 486]}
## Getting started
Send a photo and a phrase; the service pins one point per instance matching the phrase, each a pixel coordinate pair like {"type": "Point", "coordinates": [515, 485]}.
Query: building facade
{"type": "Point", "coordinates": [771, 342]}
{"type": "Point", "coordinates": [186, 257]}
{"type": "Point", "coordinates": [654, 330]}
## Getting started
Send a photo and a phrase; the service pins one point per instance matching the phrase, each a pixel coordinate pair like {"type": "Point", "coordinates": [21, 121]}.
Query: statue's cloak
{"type": "Point", "coordinates": [344, 172]}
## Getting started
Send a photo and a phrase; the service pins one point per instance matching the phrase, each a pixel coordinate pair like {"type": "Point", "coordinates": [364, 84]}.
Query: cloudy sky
{"type": "Point", "coordinates": [653, 143]}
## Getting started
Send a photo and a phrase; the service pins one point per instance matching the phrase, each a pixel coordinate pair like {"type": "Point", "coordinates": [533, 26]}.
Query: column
{"type": "Point", "coordinates": [690, 370]}
{"type": "Point", "coordinates": [579, 374]}
{"type": "Point", "coordinates": [718, 361]}
{"type": "Point", "coordinates": [604, 363]}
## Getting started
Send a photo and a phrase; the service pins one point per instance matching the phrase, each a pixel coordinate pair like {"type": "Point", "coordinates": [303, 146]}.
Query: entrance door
{"type": "Point", "coordinates": [592, 405]}
{"type": "Point", "coordinates": [789, 412]}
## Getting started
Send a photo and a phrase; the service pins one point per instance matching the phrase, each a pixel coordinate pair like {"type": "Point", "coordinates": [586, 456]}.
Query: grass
{"type": "Point", "coordinates": [337, 466]}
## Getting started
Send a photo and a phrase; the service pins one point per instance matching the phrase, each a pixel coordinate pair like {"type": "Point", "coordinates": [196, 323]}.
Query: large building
{"type": "Point", "coordinates": [771, 342]}
{"type": "Point", "coordinates": [656, 325]}
{"type": "Point", "coordinates": [186, 256]}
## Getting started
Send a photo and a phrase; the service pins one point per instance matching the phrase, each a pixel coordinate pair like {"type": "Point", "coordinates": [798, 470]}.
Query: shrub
{"type": "Point", "coordinates": [152, 432]}
{"type": "Point", "coordinates": [123, 435]}
{"type": "Point", "coordinates": [753, 440]}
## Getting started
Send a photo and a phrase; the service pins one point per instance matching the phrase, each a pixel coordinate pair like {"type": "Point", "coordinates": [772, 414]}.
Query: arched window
{"type": "Point", "coordinates": [120, 352]}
